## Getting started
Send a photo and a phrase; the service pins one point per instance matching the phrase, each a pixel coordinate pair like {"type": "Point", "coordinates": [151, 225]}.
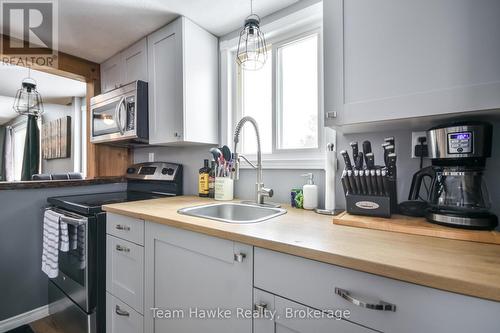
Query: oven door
{"type": "Point", "coordinates": [77, 268]}
{"type": "Point", "coordinates": [114, 119]}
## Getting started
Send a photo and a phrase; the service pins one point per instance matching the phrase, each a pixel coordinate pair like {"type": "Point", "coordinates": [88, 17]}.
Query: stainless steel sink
{"type": "Point", "coordinates": [237, 213]}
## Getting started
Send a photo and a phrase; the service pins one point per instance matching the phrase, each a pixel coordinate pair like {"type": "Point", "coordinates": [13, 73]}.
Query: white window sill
{"type": "Point", "coordinates": [270, 163]}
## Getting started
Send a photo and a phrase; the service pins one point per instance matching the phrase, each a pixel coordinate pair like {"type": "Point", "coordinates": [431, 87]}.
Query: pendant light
{"type": "Point", "coordinates": [252, 48]}
{"type": "Point", "coordinates": [28, 100]}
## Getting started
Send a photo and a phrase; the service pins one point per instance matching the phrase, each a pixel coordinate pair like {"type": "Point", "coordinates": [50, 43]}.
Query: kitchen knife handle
{"type": "Point", "coordinates": [355, 150]}
{"type": "Point", "coordinates": [385, 180]}
{"type": "Point", "coordinates": [380, 183]}
{"type": "Point", "coordinates": [352, 182]}
{"type": "Point", "coordinates": [347, 159]}
{"type": "Point", "coordinates": [370, 161]}
{"type": "Point", "coordinates": [367, 147]}
{"type": "Point", "coordinates": [358, 182]}
{"type": "Point", "coordinates": [368, 182]}
{"type": "Point", "coordinates": [364, 187]}
{"type": "Point", "coordinates": [373, 178]}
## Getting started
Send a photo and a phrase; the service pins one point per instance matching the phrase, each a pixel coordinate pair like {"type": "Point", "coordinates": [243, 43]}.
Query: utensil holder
{"type": "Point", "coordinates": [224, 187]}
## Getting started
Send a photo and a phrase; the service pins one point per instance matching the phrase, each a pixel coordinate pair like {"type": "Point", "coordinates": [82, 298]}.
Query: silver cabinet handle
{"type": "Point", "coordinates": [122, 248]}
{"type": "Point", "coordinates": [122, 227]}
{"type": "Point", "coordinates": [121, 312]}
{"type": "Point", "coordinates": [381, 306]}
{"type": "Point", "coordinates": [238, 257]}
{"type": "Point", "coordinates": [261, 308]}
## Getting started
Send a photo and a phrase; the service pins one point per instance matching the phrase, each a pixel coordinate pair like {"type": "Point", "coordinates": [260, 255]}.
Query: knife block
{"type": "Point", "coordinates": [373, 205]}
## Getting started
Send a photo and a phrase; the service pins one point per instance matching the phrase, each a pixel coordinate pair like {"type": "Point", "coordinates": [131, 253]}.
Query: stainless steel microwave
{"type": "Point", "coordinates": [120, 116]}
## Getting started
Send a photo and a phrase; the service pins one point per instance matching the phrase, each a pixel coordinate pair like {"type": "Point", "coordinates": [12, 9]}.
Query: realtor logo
{"type": "Point", "coordinates": [29, 29]}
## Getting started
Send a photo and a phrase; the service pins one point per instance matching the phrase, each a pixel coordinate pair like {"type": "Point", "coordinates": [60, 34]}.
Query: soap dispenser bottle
{"type": "Point", "coordinates": [310, 192]}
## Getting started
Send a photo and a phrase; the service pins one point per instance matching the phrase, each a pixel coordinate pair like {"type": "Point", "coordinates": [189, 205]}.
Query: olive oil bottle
{"type": "Point", "coordinates": [203, 182]}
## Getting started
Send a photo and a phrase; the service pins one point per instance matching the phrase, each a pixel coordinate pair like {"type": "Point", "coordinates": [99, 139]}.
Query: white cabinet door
{"type": "Point", "coordinates": [112, 73]}
{"type": "Point", "coordinates": [194, 273]}
{"type": "Point", "coordinates": [135, 59]}
{"type": "Point", "coordinates": [165, 84]}
{"type": "Point", "coordinates": [397, 59]}
{"type": "Point", "coordinates": [121, 318]}
{"type": "Point", "coordinates": [125, 272]}
{"type": "Point", "coordinates": [279, 315]}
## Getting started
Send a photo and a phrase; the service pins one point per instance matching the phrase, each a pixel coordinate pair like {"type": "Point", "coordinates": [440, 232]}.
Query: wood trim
{"type": "Point", "coordinates": [101, 160]}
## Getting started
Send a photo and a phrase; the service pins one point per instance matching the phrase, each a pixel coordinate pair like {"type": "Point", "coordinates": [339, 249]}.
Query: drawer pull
{"type": "Point", "coordinates": [123, 227]}
{"type": "Point", "coordinates": [121, 312]}
{"type": "Point", "coordinates": [381, 306]}
{"type": "Point", "coordinates": [238, 257]}
{"type": "Point", "coordinates": [122, 248]}
{"type": "Point", "coordinates": [261, 309]}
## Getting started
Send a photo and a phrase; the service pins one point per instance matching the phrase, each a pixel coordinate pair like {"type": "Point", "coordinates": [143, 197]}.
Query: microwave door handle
{"type": "Point", "coordinates": [118, 115]}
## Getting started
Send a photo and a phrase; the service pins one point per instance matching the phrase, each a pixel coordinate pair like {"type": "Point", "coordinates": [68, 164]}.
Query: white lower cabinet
{"type": "Point", "coordinates": [195, 278]}
{"type": "Point", "coordinates": [125, 271]}
{"type": "Point", "coordinates": [371, 299]}
{"type": "Point", "coordinates": [279, 315]}
{"type": "Point", "coordinates": [121, 318]}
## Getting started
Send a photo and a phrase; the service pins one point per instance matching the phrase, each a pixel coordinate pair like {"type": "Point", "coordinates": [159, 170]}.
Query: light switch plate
{"type": "Point", "coordinates": [414, 141]}
{"type": "Point", "coordinates": [151, 157]}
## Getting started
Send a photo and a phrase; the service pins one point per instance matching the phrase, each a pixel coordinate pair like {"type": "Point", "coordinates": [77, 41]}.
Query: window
{"type": "Point", "coordinates": [297, 86]}
{"type": "Point", "coordinates": [284, 98]}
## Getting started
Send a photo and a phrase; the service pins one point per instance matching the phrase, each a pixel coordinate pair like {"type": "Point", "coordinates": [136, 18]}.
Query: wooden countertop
{"type": "Point", "coordinates": [463, 267]}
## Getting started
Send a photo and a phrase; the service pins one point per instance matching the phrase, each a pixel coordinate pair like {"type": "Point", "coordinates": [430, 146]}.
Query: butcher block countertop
{"type": "Point", "coordinates": [467, 268]}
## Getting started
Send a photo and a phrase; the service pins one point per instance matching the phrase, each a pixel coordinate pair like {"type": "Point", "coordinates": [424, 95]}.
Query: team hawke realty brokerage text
{"type": "Point", "coordinates": [241, 313]}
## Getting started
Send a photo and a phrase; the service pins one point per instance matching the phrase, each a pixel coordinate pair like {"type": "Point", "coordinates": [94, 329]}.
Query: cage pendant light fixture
{"type": "Point", "coordinates": [28, 100]}
{"type": "Point", "coordinates": [252, 48]}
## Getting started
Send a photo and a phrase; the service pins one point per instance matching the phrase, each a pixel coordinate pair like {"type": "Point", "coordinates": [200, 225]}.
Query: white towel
{"type": "Point", "coordinates": [50, 253]}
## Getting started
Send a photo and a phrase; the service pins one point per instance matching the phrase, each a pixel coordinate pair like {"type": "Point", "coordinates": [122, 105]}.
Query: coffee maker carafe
{"type": "Point", "coordinates": [458, 195]}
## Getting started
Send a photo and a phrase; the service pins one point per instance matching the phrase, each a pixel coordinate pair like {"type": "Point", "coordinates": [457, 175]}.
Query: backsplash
{"type": "Point", "coordinates": [282, 181]}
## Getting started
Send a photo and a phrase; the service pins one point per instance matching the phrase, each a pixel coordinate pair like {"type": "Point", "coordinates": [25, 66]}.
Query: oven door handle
{"type": "Point", "coordinates": [118, 117]}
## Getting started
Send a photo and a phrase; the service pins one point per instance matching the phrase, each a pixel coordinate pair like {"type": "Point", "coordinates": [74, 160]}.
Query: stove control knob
{"type": "Point", "coordinates": [170, 171]}
{"type": "Point", "coordinates": [164, 171]}
{"type": "Point", "coordinates": [131, 170]}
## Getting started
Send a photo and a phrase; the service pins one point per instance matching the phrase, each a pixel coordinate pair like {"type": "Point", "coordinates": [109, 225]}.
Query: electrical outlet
{"type": "Point", "coordinates": [151, 157]}
{"type": "Point", "coordinates": [414, 142]}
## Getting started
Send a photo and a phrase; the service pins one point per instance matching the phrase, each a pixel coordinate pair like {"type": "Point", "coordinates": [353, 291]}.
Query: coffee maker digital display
{"type": "Point", "coordinates": [458, 195]}
{"type": "Point", "coordinates": [459, 143]}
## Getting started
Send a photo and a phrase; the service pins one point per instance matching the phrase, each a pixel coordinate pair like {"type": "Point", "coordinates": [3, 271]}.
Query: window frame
{"type": "Point", "coordinates": [302, 158]}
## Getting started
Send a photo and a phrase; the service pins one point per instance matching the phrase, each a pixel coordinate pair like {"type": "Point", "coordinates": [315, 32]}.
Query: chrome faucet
{"type": "Point", "coordinates": [260, 191]}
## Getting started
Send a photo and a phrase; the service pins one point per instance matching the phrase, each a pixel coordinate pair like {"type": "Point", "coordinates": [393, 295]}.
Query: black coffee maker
{"type": "Point", "coordinates": [457, 195]}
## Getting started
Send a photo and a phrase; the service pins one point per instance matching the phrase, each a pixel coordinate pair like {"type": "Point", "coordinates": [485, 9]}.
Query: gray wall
{"type": "Point", "coordinates": [284, 180]}
{"type": "Point", "coordinates": [23, 285]}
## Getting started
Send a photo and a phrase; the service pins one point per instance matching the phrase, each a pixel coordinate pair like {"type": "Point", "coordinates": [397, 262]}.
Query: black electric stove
{"type": "Point", "coordinates": [82, 288]}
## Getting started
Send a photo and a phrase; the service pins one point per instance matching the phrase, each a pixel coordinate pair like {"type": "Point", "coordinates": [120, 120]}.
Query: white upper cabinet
{"type": "Point", "coordinates": [183, 85]}
{"type": "Point", "coordinates": [125, 67]}
{"type": "Point", "coordinates": [111, 73]}
{"type": "Point", "coordinates": [397, 59]}
{"type": "Point", "coordinates": [135, 60]}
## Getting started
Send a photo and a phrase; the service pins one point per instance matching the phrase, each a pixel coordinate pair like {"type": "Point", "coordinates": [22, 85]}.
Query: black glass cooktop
{"type": "Point", "coordinates": [92, 203]}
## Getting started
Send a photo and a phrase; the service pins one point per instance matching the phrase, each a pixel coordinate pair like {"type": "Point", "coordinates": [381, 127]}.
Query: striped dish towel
{"type": "Point", "coordinates": [50, 253]}
{"type": "Point", "coordinates": [76, 236]}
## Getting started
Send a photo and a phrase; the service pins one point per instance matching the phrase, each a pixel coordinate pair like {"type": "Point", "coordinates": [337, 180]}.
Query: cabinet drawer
{"type": "Point", "coordinates": [125, 271]}
{"type": "Point", "coordinates": [418, 308]}
{"type": "Point", "coordinates": [125, 227]}
{"type": "Point", "coordinates": [121, 318]}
